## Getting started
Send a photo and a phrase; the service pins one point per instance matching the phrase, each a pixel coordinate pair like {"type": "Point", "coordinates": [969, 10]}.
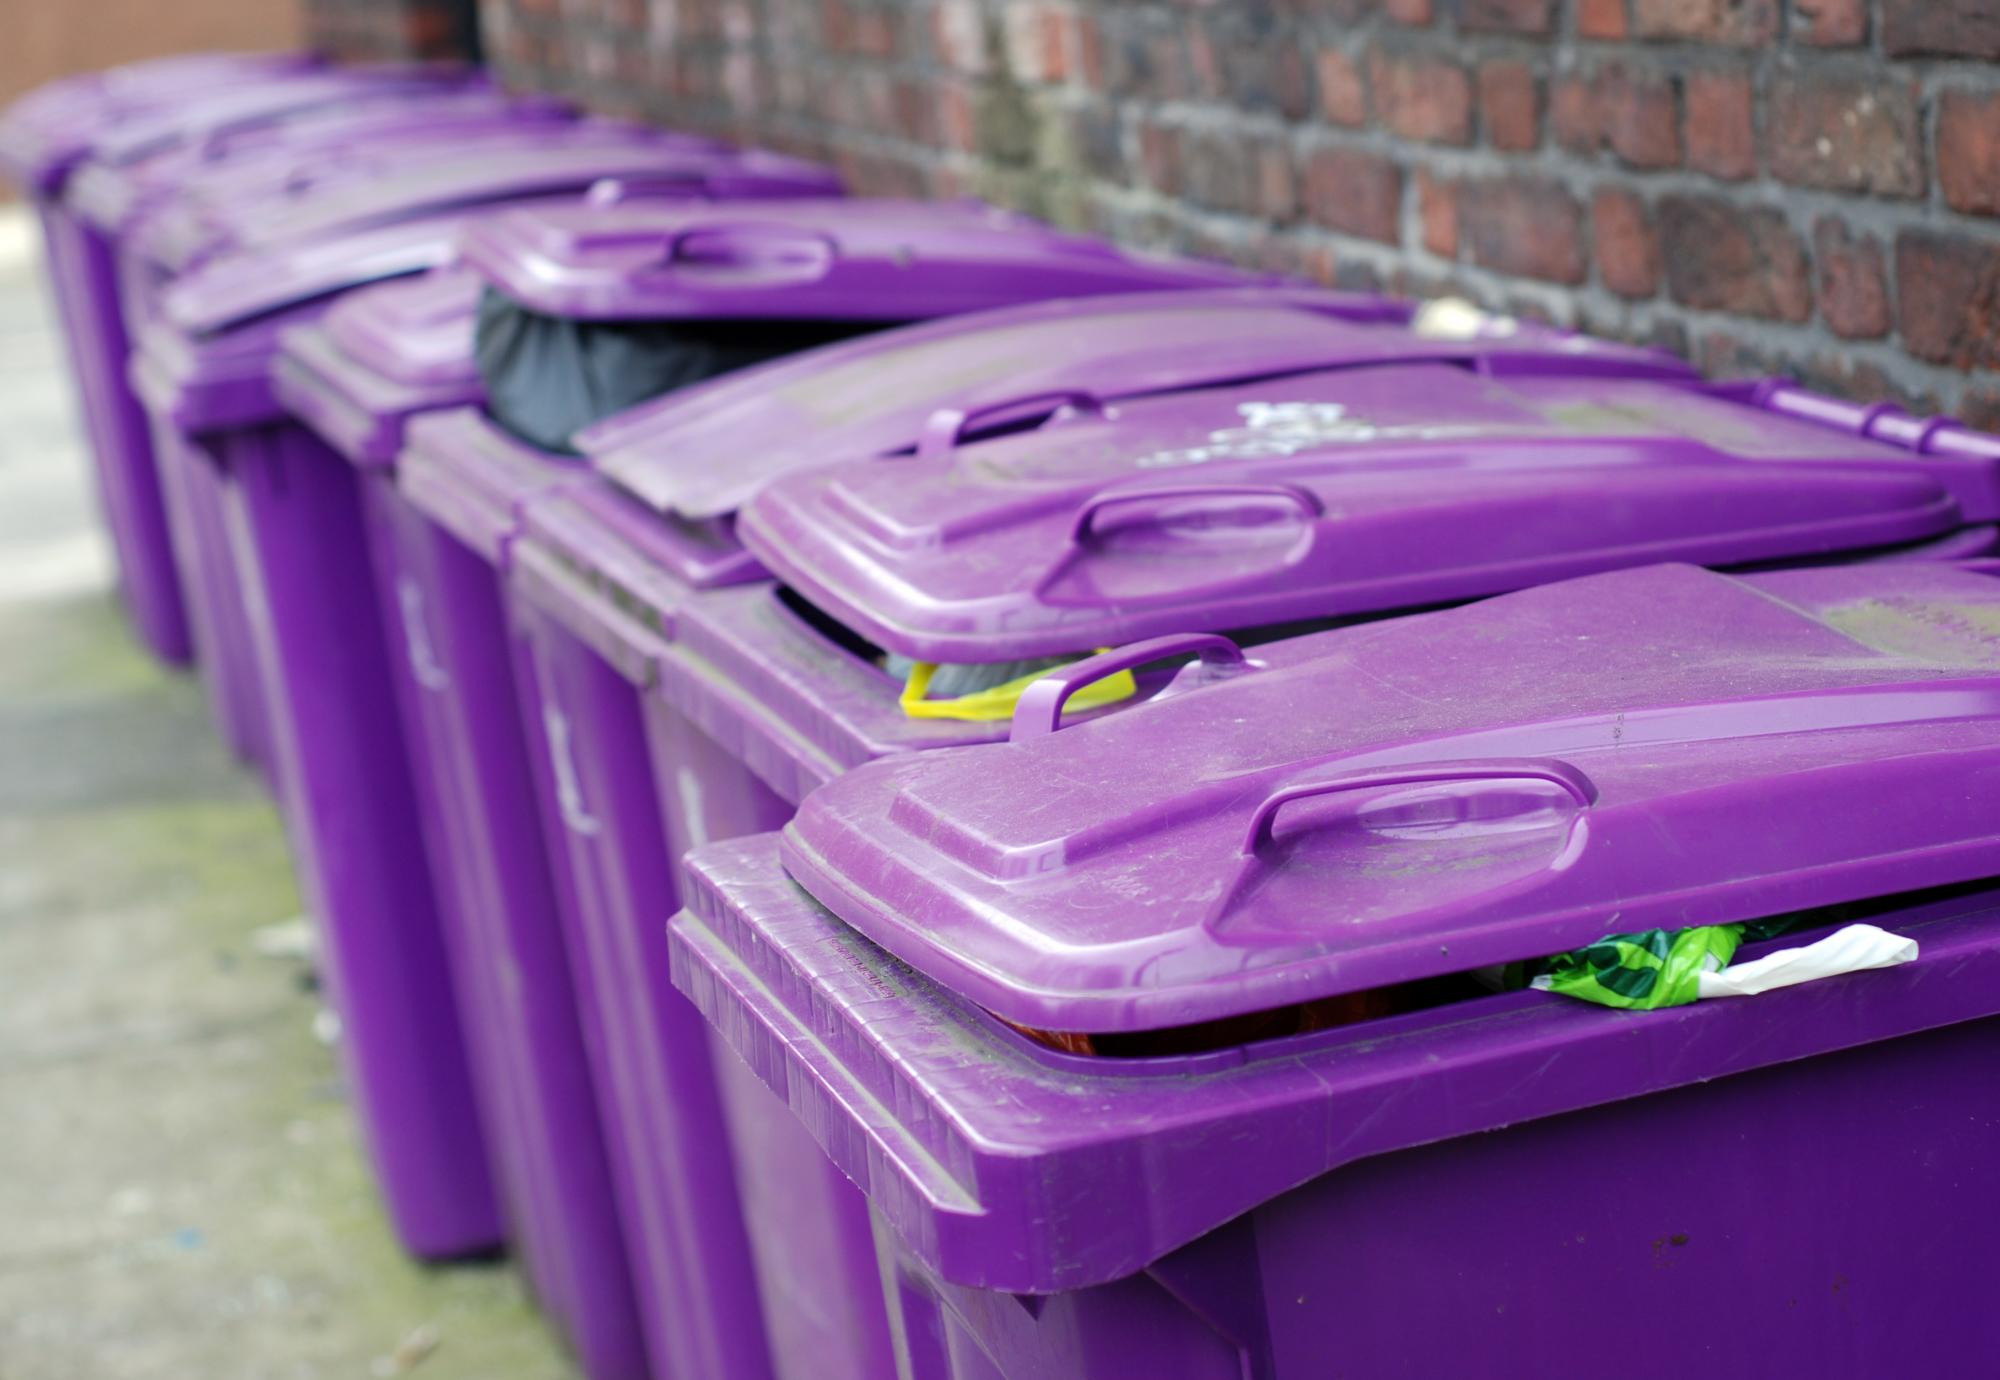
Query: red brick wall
{"type": "Point", "coordinates": [1805, 186]}
{"type": "Point", "coordinates": [393, 30]}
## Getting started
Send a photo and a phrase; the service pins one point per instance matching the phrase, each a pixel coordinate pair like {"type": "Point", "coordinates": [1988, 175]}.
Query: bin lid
{"type": "Point", "coordinates": [1666, 746]}
{"type": "Point", "coordinates": [545, 162]}
{"type": "Point", "coordinates": [885, 393]}
{"type": "Point", "coordinates": [1002, 1164]}
{"type": "Point", "coordinates": [242, 286]}
{"type": "Point", "coordinates": [238, 106]}
{"type": "Point", "coordinates": [45, 133]}
{"type": "Point", "coordinates": [378, 356]}
{"type": "Point", "coordinates": [397, 122]}
{"type": "Point", "coordinates": [863, 260]}
{"type": "Point", "coordinates": [1331, 494]}
{"type": "Point", "coordinates": [415, 331]}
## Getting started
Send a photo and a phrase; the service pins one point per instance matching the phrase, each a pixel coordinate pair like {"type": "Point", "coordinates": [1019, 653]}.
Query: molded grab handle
{"type": "Point", "coordinates": [1304, 499]}
{"type": "Point", "coordinates": [1041, 705]}
{"type": "Point", "coordinates": [750, 245]}
{"type": "Point", "coordinates": [428, 671]}
{"type": "Point", "coordinates": [576, 815]}
{"type": "Point", "coordinates": [1550, 769]}
{"type": "Point", "coordinates": [947, 426]}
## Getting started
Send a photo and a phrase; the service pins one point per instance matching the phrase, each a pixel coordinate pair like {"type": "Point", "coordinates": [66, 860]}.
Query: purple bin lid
{"type": "Point", "coordinates": [379, 355]}
{"type": "Point", "coordinates": [545, 162]}
{"type": "Point", "coordinates": [1006, 1165]}
{"type": "Point", "coordinates": [1344, 492]}
{"type": "Point", "coordinates": [45, 133]}
{"type": "Point", "coordinates": [1349, 810]}
{"type": "Point", "coordinates": [923, 386]}
{"type": "Point", "coordinates": [397, 122]}
{"type": "Point", "coordinates": [863, 260]}
{"type": "Point", "coordinates": [249, 104]}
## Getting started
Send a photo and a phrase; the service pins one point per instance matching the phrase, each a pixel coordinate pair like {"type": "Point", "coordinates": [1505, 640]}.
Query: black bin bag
{"type": "Point", "coordinates": [548, 377]}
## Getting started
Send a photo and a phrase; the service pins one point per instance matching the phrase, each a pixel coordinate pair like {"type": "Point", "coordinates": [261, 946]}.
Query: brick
{"type": "Point", "coordinates": [1830, 23]}
{"type": "Point", "coordinates": [1510, 106]}
{"type": "Point", "coordinates": [1415, 13]}
{"type": "Point", "coordinates": [1638, 117]}
{"type": "Point", "coordinates": [1721, 127]}
{"type": "Point", "coordinates": [1853, 136]}
{"type": "Point", "coordinates": [1968, 152]}
{"type": "Point", "coordinates": [1437, 208]}
{"type": "Point", "coordinates": [1942, 28]}
{"type": "Point", "coordinates": [1632, 111]}
{"type": "Point", "coordinates": [1743, 23]}
{"type": "Point", "coordinates": [1508, 16]}
{"type": "Point", "coordinates": [1721, 257]}
{"type": "Point", "coordinates": [1573, 114]}
{"type": "Point", "coordinates": [1524, 226]}
{"type": "Point", "coordinates": [1853, 287]}
{"type": "Point", "coordinates": [1343, 99]}
{"type": "Point", "coordinates": [1603, 19]}
{"type": "Point", "coordinates": [1948, 298]}
{"type": "Point", "coordinates": [1626, 246]}
{"type": "Point", "coordinates": [1421, 98]}
{"type": "Point", "coordinates": [1160, 157]}
{"type": "Point", "coordinates": [1356, 193]}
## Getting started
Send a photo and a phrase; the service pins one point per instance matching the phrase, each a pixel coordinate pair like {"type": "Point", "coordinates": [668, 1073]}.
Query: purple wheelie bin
{"type": "Point", "coordinates": [398, 124]}
{"type": "Point", "coordinates": [217, 98]}
{"type": "Point", "coordinates": [1156, 1046]}
{"type": "Point", "coordinates": [43, 137]}
{"type": "Point", "coordinates": [607, 588]}
{"type": "Point", "coordinates": [806, 272]}
{"type": "Point", "coordinates": [293, 514]}
{"type": "Point", "coordinates": [533, 157]}
{"type": "Point", "coordinates": [918, 590]}
{"type": "Point", "coordinates": [379, 359]}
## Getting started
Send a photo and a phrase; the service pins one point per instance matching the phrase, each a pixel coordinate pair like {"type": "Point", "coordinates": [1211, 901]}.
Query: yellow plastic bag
{"type": "Point", "coordinates": [997, 701]}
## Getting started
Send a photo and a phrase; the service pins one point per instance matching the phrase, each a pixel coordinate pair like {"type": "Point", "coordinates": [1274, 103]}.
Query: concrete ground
{"type": "Point", "coordinates": [181, 1193]}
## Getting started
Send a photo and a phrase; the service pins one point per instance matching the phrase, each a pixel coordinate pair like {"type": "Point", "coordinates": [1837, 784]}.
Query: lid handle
{"type": "Point", "coordinates": [1040, 708]}
{"type": "Point", "coordinates": [1304, 499]}
{"type": "Point", "coordinates": [785, 253]}
{"type": "Point", "coordinates": [947, 426]}
{"type": "Point", "coordinates": [1550, 769]}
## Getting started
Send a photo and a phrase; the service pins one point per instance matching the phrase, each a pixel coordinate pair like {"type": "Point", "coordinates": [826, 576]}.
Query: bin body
{"type": "Point", "coordinates": [382, 358]}
{"type": "Point", "coordinates": [99, 320]}
{"type": "Point", "coordinates": [1786, 1186]}
{"type": "Point", "coordinates": [758, 697]}
{"type": "Point", "coordinates": [791, 265]}
{"type": "Point", "coordinates": [1037, 996]}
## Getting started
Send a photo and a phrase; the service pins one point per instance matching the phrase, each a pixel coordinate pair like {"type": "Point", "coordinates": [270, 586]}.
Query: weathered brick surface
{"type": "Point", "coordinates": [1810, 186]}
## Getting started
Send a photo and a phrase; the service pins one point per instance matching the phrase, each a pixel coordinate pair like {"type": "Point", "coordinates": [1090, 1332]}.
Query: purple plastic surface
{"type": "Point", "coordinates": [860, 260]}
{"type": "Point", "coordinates": [925, 387]}
{"type": "Point", "coordinates": [320, 141]}
{"type": "Point", "coordinates": [1354, 809]}
{"type": "Point", "coordinates": [379, 356]}
{"type": "Point", "coordinates": [1342, 492]}
{"type": "Point", "coordinates": [1487, 1187]}
{"type": "Point", "coordinates": [46, 132]}
{"type": "Point", "coordinates": [296, 525]}
{"type": "Point", "coordinates": [116, 426]}
{"type": "Point", "coordinates": [567, 157]}
{"type": "Point", "coordinates": [452, 661]}
{"type": "Point", "coordinates": [677, 1182]}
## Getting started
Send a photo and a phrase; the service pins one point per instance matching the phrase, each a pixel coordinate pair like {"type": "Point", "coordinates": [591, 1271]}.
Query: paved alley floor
{"type": "Point", "coordinates": [180, 1186]}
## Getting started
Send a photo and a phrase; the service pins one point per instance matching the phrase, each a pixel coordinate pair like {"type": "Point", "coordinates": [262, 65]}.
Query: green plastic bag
{"type": "Point", "coordinates": [1652, 969]}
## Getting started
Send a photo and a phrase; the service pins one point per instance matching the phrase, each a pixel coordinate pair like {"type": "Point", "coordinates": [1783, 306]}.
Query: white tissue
{"type": "Point", "coordinates": [1854, 949]}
